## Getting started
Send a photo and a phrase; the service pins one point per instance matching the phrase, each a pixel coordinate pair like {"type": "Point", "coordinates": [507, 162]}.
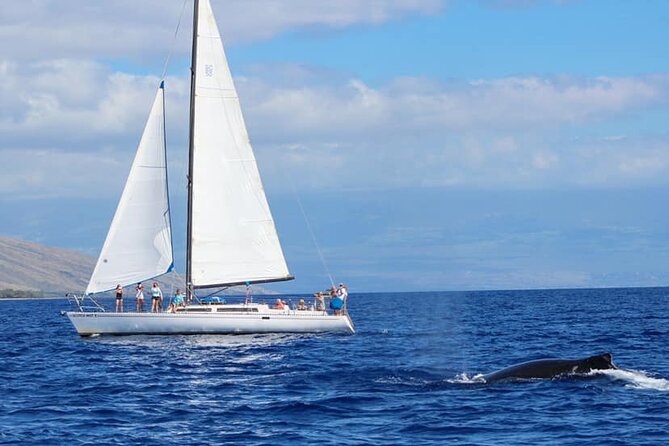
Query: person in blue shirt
{"type": "Point", "coordinates": [339, 299]}
{"type": "Point", "coordinates": [179, 300]}
{"type": "Point", "coordinates": [156, 298]}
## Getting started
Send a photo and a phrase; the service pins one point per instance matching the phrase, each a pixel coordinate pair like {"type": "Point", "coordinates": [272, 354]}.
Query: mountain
{"type": "Point", "coordinates": [31, 270]}
{"type": "Point", "coordinates": [30, 266]}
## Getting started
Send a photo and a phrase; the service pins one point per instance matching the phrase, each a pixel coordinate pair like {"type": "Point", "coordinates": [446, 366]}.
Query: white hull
{"type": "Point", "coordinates": [209, 322]}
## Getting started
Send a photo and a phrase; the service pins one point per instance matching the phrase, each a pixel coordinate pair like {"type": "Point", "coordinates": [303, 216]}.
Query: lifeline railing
{"type": "Point", "coordinates": [82, 305]}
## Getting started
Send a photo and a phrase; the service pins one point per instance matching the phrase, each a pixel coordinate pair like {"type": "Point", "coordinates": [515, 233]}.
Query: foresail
{"type": "Point", "coordinates": [233, 234]}
{"type": "Point", "coordinates": [139, 241]}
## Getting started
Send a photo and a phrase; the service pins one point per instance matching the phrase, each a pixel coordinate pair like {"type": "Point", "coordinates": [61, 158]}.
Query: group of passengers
{"type": "Point", "coordinates": [179, 299]}
{"type": "Point", "coordinates": [337, 297]}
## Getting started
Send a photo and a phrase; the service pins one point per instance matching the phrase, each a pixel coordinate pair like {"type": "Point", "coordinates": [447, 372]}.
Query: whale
{"type": "Point", "coordinates": [551, 368]}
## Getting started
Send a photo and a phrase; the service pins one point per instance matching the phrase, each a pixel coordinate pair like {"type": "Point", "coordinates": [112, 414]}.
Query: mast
{"type": "Point", "coordinates": [167, 183]}
{"type": "Point", "coordinates": [232, 238]}
{"type": "Point", "coordinates": [191, 145]}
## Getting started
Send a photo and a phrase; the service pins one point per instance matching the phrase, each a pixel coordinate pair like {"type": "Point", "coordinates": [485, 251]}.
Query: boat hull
{"type": "Point", "coordinates": [103, 323]}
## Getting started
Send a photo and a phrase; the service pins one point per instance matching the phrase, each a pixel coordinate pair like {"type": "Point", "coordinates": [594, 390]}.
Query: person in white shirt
{"type": "Point", "coordinates": [342, 292]}
{"type": "Point", "coordinates": [139, 297]}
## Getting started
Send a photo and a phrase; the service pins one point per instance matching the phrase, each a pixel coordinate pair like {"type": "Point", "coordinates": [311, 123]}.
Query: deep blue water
{"type": "Point", "coordinates": [406, 377]}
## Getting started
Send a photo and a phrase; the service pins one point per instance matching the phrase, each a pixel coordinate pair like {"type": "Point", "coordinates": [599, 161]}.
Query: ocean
{"type": "Point", "coordinates": [409, 376]}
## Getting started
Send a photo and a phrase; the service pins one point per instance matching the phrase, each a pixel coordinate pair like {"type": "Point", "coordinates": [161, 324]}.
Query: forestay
{"type": "Point", "coordinates": [139, 241]}
{"type": "Point", "coordinates": [234, 239]}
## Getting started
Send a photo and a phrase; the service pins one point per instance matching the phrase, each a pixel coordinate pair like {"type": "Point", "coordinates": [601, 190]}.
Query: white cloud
{"type": "Point", "coordinates": [144, 30]}
{"type": "Point", "coordinates": [70, 127]}
{"type": "Point", "coordinates": [510, 132]}
{"type": "Point", "coordinates": [54, 173]}
{"type": "Point", "coordinates": [74, 100]}
{"type": "Point", "coordinates": [507, 104]}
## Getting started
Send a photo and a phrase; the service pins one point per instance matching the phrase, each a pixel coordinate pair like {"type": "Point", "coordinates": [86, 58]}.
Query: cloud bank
{"type": "Point", "coordinates": [515, 132]}
{"type": "Point", "coordinates": [133, 30]}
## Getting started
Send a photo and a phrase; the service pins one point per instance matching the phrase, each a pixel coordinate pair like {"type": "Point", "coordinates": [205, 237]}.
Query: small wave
{"type": "Point", "coordinates": [637, 379]}
{"type": "Point", "coordinates": [402, 380]}
{"type": "Point", "coordinates": [463, 378]}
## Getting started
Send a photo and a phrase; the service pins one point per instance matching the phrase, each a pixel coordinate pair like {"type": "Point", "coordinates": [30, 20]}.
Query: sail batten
{"type": "Point", "coordinates": [139, 242]}
{"type": "Point", "coordinates": [232, 235]}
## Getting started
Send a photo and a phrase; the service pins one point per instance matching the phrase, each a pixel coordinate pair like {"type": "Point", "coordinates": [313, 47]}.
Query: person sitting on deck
{"type": "Point", "coordinates": [279, 304]}
{"type": "Point", "coordinates": [179, 300]}
{"type": "Point", "coordinates": [301, 305]}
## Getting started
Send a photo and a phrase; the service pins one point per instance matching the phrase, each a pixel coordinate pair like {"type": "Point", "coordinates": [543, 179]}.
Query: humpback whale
{"type": "Point", "coordinates": [550, 368]}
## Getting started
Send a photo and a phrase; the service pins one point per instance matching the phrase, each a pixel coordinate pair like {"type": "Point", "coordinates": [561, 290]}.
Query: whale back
{"type": "Point", "coordinates": [550, 368]}
{"type": "Point", "coordinates": [597, 362]}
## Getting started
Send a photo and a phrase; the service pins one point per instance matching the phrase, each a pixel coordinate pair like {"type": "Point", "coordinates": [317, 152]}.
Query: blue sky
{"type": "Point", "coordinates": [436, 145]}
{"type": "Point", "coordinates": [471, 40]}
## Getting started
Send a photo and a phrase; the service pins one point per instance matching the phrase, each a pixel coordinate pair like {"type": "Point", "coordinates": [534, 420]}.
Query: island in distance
{"type": "Point", "coordinates": [32, 270]}
{"type": "Point", "coordinates": [28, 269]}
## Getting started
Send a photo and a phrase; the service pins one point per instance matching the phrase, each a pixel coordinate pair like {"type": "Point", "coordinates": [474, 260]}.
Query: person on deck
{"type": "Point", "coordinates": [319, 302]}
{"type": "Point", "coordinates": [139, 297]}
{"type": "Point", "coordinates": [119, 298]}
{"type": "Point", "coordinates": [156, 298]}
{"type": "Point", "coordinates": [178, 301]}
{"type": "Point", "coordinates": [279, 304]}
{"type": "Point", "coordinates": [301, 305]}
{"type": "Point", "coordinates": [342, 292]}
{"type": "Point", "coordinates": [338, 301]}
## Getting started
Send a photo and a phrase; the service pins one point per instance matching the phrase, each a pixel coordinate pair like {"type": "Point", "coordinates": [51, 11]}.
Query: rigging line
{"type": "Point", "coordinates": [313, 236]}
{"type": "Point", "coordinates": [174, 39]}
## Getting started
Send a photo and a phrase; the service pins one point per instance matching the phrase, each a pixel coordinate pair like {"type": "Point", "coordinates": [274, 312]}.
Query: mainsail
{"type": "Point", "coordinates": [232, 234]}
{"type": "Point", "coordinates": [139, 242]}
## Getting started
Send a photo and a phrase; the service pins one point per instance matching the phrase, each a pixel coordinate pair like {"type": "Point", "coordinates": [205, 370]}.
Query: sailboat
{"type": "Point", "coordinates": [231, 235]}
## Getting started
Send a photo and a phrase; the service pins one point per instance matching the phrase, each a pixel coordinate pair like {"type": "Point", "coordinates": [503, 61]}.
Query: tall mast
{"type": "Point", "coordinates": [167, 183]}
{"type": "Point", "coordinates": [191, 145]}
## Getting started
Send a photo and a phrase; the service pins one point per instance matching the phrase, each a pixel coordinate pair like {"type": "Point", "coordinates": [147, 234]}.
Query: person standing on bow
{"type": "Point", "coordinates": [156, 298]}
{"type": "Point", "coordinates": [337, 302]}
{"type": "Point", "coordinates": [139, 297]}
{"type": "Point", "coordinates": [342, 292]}
{"type": "Point", "coordinates": [119, 298]}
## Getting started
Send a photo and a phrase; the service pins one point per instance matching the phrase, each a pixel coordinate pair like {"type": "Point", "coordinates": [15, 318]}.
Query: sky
{"type": "Point", "coordinates": [433, 144]}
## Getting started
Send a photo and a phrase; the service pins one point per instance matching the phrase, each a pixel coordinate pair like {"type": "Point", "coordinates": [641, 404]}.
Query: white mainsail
{"type": "Point", "coordinates": [139, 242]}
{"type": "Point", "coordinates": [233, 239]}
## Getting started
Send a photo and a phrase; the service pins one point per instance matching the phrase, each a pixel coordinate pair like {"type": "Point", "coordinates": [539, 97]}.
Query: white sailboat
{"type": "Point", "coordinates": [231, 236]}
